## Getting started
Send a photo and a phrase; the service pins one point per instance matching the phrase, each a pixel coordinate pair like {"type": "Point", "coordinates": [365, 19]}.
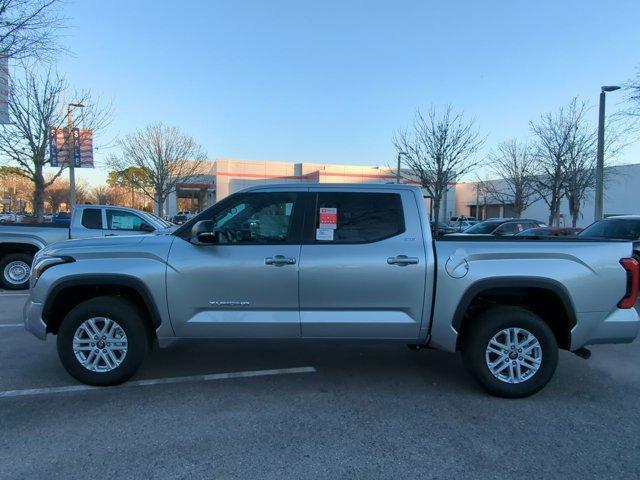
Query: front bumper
{"type": "Point", "coordinates": [619, 326]}
{"type": "Point", "coordinates": [32, 317]}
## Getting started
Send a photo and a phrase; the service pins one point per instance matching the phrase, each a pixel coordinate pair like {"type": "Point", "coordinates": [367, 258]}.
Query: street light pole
{"type": "Point", "coordinates": [599, 195]}
{"type": "Point", "coordinates": [70, 158]}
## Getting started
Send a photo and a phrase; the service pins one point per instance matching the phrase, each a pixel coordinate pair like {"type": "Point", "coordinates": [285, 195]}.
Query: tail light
{"type": "Point", "coordinates": [633, 282]}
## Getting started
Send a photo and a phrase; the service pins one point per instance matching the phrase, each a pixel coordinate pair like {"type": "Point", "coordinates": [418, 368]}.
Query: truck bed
{"type": "Point", "coordinates": [585, 274]}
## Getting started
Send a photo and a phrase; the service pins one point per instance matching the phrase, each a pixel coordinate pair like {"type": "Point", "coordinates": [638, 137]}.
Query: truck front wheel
{"type": "Point", "coordinates": [103, 341]}
{"type": "Point", "coordinates": [15, 270]}
{"type": "Point", "coordinates": [510, 351]}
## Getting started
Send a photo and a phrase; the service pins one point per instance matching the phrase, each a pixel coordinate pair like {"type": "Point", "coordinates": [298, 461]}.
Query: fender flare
{"type": "Point", "coordinates": [510, 283]}
{"type": "Point", "coordinates": [119, 280]}
{"type": "Point", "coordinates": [31, 242]}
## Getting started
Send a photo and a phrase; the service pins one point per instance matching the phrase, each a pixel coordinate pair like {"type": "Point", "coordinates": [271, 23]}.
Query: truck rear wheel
{"type": "Point", "coordinates": [103, 341]}
{"type": "Point", "coordinates": [15, 270]}
{"type": "Point", "coordinates": [510, 351]}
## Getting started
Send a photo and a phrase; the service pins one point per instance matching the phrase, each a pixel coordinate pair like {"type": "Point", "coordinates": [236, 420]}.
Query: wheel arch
{"type": "Point", "coordinates": [547, 298]}
{"type": "Point", "coordinates": [69, 292]}
{"type": "Point", "coordinates": [8, 248]}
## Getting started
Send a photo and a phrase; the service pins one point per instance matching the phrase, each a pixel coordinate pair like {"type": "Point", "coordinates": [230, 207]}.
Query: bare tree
{"type": "Point", "coordinates": [439, 148]}
{"type": "Point", "coordinates": [104, 195]}
{"type": "Point", "coordinates": [633, 96]}
{"type": "Point", "coordinates": [168, 156]}
{"type": "Point", "coordinates": [552, 134]}
{"type": "Point", "coordinates": [513, 165]}
{"type": "Point", "coordinates": [35, 104]}
{"type": "Point", "coordinates": [566, 156]}
{"type": "Point", "coordinates": [28, 28]}
{"type": "Point", "coordinates": [580, 167]}
{"type": "Point", "coordinates": [57, 194]}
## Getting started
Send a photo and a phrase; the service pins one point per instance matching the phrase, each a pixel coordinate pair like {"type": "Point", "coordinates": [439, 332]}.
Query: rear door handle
{"type": "Point", "coordinates": [402, 260]}
{"type": "Point", "coordinates": [279, 260]}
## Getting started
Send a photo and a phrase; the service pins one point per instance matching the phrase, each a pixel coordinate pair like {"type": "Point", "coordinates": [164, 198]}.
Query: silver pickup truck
{"type": "Point", "coordinates": [333, 262]}
{"type": "Point", "coordinates": [19, 242]}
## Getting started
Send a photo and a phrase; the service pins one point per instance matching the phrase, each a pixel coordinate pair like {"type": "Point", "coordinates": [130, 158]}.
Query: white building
{"type": "Point", "coordinates": [620, 197]}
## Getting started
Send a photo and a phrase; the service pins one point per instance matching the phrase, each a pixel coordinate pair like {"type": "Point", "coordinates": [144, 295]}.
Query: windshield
{"type": "Point", "coordinates": [156, 219]}
{"type": "Point", "coordinates": [624, 229]}
{"type": "Point", "coordinates": [482, 228]}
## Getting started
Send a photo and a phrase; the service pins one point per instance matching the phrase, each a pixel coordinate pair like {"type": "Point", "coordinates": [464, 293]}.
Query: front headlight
{"type": "Point", "coordinates": [42, 263]}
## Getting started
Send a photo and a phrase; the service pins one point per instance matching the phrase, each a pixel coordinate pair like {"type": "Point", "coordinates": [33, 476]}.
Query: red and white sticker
{"type": "Point", "coordinates": [329, 218]}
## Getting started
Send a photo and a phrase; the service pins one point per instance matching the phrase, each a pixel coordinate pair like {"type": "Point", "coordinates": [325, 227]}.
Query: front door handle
{"type": "Point", "coordinates": [279, 260]}
{"type": "Point", "coordinates": [402, 260]}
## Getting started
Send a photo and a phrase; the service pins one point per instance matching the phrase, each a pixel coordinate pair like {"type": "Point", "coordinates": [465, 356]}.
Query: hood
{"type": "Point", "coordinates": [94, 245]}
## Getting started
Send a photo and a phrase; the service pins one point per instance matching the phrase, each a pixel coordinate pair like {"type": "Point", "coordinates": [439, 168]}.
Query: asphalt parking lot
{"type": "Point", "coordinates": [345, 411]}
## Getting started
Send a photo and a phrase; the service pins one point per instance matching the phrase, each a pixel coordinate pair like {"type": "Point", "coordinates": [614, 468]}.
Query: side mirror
{"type": "Point", "coordinates": [203, 232]}
{"type": "Point", "coordinates": [145, 227]}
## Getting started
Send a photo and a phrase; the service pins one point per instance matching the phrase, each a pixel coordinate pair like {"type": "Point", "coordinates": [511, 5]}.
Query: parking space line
{"type": "Point", "coordinates": [157, 381]}
{"type": "Point", "coordinates": [7, 294]}
{"type": "Point", "coordinates": [12, 325]}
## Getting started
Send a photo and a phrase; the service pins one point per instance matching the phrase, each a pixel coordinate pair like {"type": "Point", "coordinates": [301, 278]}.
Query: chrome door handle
{"type": "Point", "coordinates": [279, 260]}
{"type": "Point", "coordinates": [402, 260]}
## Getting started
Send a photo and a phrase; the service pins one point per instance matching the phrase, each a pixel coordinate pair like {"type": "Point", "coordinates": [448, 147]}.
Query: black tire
{"type": "Point", "coordinates": [4, 271]}
{"type": "Point", "coordinates": [127, 316]}
{"type": "Point", "coordinates": [479, 333]}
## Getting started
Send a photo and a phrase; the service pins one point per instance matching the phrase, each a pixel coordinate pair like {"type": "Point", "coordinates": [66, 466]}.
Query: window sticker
{"type": "Point", "coordinates": [328, 218]}
{"type": "Point", "coordinates": [122, 222]}
{"type": "Point", "coordinates": [324, 234]}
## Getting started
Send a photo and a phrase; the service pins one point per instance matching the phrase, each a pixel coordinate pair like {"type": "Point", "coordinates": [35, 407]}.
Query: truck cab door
{"type": "Point", "coordinates": [245, 285]}
{"type": "Point", "coordinates": [363, 267]}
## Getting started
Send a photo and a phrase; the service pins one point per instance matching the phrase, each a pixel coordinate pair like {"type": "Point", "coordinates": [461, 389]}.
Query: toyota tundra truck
{"type": "Point", "coordinates": [328, 262]}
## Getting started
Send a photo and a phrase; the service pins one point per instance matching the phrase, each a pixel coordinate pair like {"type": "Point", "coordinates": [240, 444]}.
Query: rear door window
{"type": "Point", "coordinates": [92, 218]}
{"type": "Point", "coordinates": [509, 229]}
{"type": "Point", "coordinates": [352, 217]}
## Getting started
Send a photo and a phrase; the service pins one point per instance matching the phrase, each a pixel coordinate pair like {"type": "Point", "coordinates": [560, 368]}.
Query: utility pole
{"type": "Point", "coordinates": [599, 203]}
{"type": "Point", "coordinates": [70, 156]}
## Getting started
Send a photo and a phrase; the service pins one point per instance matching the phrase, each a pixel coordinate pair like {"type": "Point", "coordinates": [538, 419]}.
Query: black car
{"type": "Point", "coordinates": [438, 229]}
{"type": "Point", "coordinates": [622, 227]}
{"type": "Point", "coordinates": [501, 227]}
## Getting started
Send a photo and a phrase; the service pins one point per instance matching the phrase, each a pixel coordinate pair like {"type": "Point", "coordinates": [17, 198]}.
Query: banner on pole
{"type": "Point", "coordinates": [82, 145]}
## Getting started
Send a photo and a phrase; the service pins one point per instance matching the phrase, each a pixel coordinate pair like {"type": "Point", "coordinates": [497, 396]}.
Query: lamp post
{"type": "Point", "coordinates": [70, 159]}
{"type": "Point", "coordinates": [398, 170]}
{"type": "Point", "coordinates": [599, 206]}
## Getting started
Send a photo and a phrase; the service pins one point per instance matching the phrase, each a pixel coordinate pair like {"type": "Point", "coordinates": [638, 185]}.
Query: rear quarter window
{"type": "Point", "coordinates": [92, 218]}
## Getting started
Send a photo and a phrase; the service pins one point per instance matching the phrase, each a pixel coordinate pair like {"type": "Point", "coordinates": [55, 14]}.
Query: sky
{"type": "Point", "coordinates": [331, 81]}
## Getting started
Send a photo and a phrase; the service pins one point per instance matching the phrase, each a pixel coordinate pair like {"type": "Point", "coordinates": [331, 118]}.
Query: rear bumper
{"type": "Point", "coordinates": [619, 326]}
{"type": "Point", "coordinates": [32, 317]}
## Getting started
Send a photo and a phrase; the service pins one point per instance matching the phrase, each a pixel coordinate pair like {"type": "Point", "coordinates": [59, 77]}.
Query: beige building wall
{"type": "Point", "coordinates": [231, 175]}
